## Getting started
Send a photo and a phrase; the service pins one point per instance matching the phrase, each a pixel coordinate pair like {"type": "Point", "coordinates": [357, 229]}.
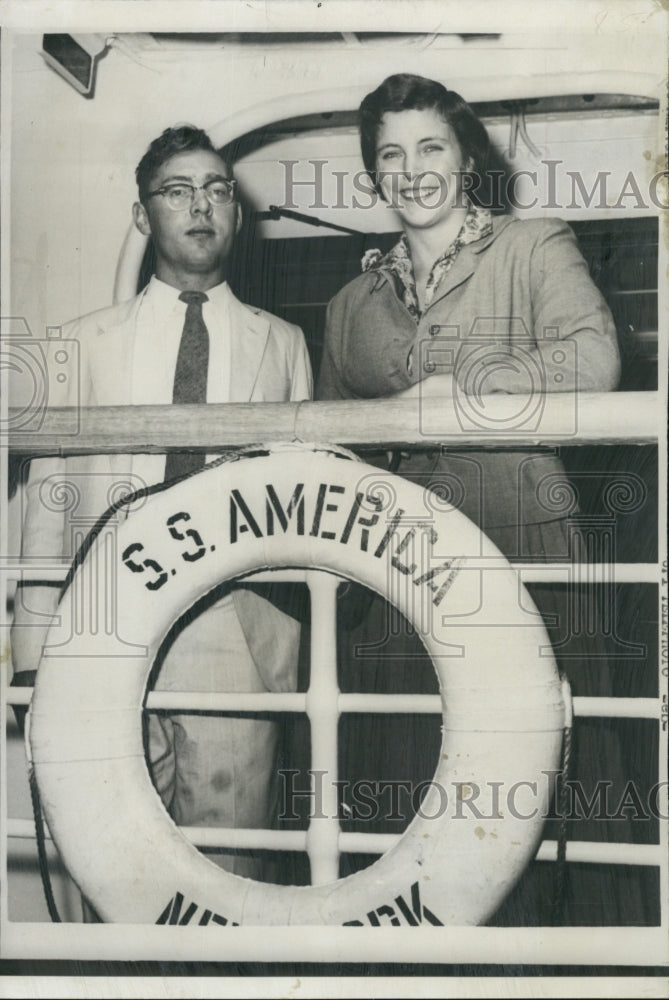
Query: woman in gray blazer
{"type": "Point", "coordinates": [468, 301]}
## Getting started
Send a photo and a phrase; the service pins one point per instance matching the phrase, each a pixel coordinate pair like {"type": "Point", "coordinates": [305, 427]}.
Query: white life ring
{"type": "Point", "coordinates": [503, 710]}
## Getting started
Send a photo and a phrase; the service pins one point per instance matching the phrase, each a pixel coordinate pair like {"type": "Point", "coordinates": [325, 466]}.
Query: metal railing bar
{"type": "Point", "coordinates": [396, 704]}
{"type": "Point", "coordinates": [199, 701]}
{"type": "Point", "coordinates": [578, 851]}
{"type": "Point", "coordinates": [562, 572]}
{"type": "Point", "coordinates": [217, 702]}
{"type": "Point", "coordinates": [588, 573]}
{"type": "Point", "coordinates": [590, 852]}
{"type": "Point", "coordinates": [621, 708]}
{"type": "Point", "coordinates": [617, 708]}
{"type": "Point", "coordinates": [382, 704]}
{"type": "Point", "coordinates": [27, 570]}
{"type": "Point", "coordinates": [561, 419]}
{"type": "Point", "coordinates": [240, 837]}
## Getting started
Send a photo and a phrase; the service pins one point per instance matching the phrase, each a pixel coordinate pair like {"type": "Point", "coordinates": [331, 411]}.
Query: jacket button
{"type": "Point", "coordinates": [434, 329]}
{"type": "Point", "coordinates": [429, 367]}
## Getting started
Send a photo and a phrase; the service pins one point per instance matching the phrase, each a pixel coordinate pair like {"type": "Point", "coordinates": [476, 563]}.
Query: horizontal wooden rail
{"type": "Point", "coordinates": [495, 421]}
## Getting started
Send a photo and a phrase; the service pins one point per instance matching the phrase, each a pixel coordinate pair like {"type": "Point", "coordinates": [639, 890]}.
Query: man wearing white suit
{"type": "Point", "coordinates": [185, 327]}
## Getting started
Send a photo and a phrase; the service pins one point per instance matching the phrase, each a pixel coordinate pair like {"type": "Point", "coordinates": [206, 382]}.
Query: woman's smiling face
{"type": "Point", "coordinates": [419, 166]}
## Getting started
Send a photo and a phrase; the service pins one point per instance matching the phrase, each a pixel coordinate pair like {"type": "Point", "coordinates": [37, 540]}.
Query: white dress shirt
{"type": "Point", "coordinates": [160, 322]}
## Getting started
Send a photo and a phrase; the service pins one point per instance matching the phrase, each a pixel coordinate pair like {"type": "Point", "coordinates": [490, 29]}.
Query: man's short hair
{"type": "Point", "coordinates": [179, 139]}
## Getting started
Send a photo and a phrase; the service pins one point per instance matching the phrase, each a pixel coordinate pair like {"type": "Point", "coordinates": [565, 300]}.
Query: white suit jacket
{"type": "Point", "coordinates": [269, 362]}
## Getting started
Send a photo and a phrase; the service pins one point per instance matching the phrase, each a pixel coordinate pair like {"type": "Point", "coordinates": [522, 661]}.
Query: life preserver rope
{"type": "Point", "coordinates": [305, 506]}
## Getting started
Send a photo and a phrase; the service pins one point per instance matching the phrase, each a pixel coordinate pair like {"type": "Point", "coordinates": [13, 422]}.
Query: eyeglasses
{"type": "Point", "coordinates": [181, 195]}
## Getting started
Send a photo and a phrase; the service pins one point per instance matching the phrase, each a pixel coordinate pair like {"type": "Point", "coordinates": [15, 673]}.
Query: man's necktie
{"type": "Point", "coordinates": [190, 378]}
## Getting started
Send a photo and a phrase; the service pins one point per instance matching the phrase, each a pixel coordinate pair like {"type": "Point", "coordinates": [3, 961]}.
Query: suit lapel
{"type": "Point", "coordinates": [111, 353]}
{"type": "Point", "coordinates": [110, 360]}
{"type": "Point", "coordinates": [249, 332]}
{"type": "Point", "coordinates": [462, 268]}
{"type": "Point", "coordinates": [466, 262]}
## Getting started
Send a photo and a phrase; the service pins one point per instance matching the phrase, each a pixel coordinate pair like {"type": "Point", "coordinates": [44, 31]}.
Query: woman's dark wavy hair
{"type": "Point", "coordinates": [180, 139]}
{"type": "Point", "coordinates": [407, 92]}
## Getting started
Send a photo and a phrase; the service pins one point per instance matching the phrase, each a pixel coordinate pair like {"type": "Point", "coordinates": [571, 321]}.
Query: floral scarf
{"type": "Point", "coordinates": [477, 224]}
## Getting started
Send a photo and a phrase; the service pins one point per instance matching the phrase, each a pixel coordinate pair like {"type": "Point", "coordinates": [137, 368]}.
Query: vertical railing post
{"type": "Point", "coordinates": [323, 715]}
